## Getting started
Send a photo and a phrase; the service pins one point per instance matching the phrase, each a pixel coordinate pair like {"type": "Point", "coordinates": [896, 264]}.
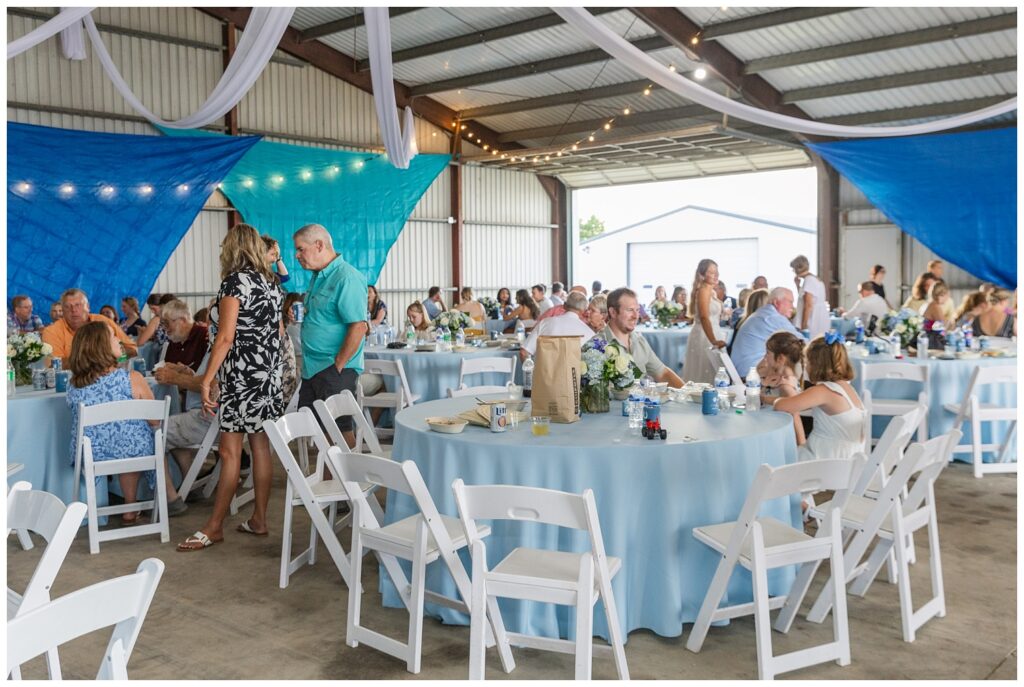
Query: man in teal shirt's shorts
{"type": "Point", "coordinates": [335, 326]}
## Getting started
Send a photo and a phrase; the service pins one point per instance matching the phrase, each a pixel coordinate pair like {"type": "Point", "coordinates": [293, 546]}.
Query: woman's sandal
{"type": "Point", "coordinates": [246, 528]}
{"type": "Point", "coordinates": [197, 541]}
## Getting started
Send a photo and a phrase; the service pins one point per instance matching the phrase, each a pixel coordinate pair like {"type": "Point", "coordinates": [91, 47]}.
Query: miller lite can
{"type": "Point", "coordinates": [499, 417]}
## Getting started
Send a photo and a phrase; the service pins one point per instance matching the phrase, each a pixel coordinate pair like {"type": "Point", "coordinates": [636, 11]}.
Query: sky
{"type": "Point", "coordinates": [787, 196]}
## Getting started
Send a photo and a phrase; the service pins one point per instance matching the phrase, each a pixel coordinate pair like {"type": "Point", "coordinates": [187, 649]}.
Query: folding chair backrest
{"type": "Point", "coordinates": [719, 358]}
{"type": "Point", "coordinates": [345, 404]}
{"type": "Point", "coordinates": [358, 469]}
{"type": "Point", "coordinates": [995, 374]}
{"type": "Point", "coordinates": [389, 368]}
{"type": "Point", "coordinates": [931, 457]}
{"type": "Point", "coordinates": [464, 390]}
{"type": "Point", "coordinates": [889, 449]}
{"type": "Point", "coordinates": [495, 364]}
{"type": "Point", "coordinates": [299, 426]}
{"type": "Point", "coordinates": [910, 372]}
{"type": "Point", "coordinates": [122, 602]}
{"type": "Point", "coordinates": [810, 475]}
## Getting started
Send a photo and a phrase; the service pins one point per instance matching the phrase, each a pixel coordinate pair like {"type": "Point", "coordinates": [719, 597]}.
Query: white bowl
{"type": "Point", "coordinates": [446, 425]}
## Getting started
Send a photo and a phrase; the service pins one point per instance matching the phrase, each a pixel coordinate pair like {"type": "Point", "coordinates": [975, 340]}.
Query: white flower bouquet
{"type": "Point", "coordinates": [23, 350]}
{"type": "Point", "coordinates": [606, 364]}
{"type": "Point", "coordinates": [666, 312]}
{"type": "Point", "coordinates": [453, 320]}
{"type": "Point", "coordinates": [906, 324]}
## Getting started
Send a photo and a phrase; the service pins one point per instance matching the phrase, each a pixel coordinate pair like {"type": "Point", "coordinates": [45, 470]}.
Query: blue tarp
{"type": "Point", "coordinates": [361, 198]}
{"type": "Point", "coordinates": [955, 193]}
{"type": "Point", "coordinates": [102, 212]}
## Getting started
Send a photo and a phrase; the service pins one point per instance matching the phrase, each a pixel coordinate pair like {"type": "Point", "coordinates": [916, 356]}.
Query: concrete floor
{"type": "Point", "coordinates": [219, 613]}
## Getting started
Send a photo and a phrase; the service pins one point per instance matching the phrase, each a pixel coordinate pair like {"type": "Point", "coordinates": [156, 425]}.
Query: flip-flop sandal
{"type": "Point", "coordinates": [199, 538]}
{"type": "Point", "coordinates": [246, 528]}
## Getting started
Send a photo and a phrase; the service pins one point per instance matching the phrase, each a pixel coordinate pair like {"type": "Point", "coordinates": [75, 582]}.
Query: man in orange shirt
{"type": "Point", "coordinates": [76, 314]}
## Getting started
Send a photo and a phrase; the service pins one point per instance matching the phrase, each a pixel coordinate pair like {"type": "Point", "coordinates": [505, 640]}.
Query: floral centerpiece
{"type": "Point", "coordinates": [606, 365]}
{"type": "Point", "coordinates": [453, 320]}
{"type": "Point", "coordinates": [906, 324]}
{"type": "Point", "coordinates": [666, 312]}
{"type": "Point", "coordinates": [22, 351]}
{"type": "Point", "coordinates": [490, 307]}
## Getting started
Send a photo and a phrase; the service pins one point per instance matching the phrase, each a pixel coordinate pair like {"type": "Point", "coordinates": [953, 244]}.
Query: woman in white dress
{"type": "Point", "coordinates": [811, 311]}
{"type": "Point", "coordinates": [707, 311]}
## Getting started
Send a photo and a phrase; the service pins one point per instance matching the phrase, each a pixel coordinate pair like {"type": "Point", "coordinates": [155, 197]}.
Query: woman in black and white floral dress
{"type": "Point", "coordinates": [246, 360]}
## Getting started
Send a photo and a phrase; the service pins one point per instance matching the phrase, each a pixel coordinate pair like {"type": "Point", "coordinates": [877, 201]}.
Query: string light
{"type": "Point", "coordinates": [307, 175]}
{"type": "Point", "coordinates": [107, 191]}
{"type": "Point", "coordinates": [463, 127]}
{"type": "Point", "coordinates": [575, 146]}
{"type": "Point", "coordinates": [671, 67]}
{"type": "Point", "coordinates": [590, 138]}
{"type": "Point", "coordinates": [700, 73]}
{"type": "Point", "coordinates": [485, 146]}
{"type": "Point", "coordinates": [24, 187]}
{"type": "Point", "coordinates": [247, 183]}
{"type": "Point", "coordinates": [359, 165]}
{"type": "Point", "coordinates": [625, 111]}
{"type": "Point", "coordinates": [495, 152]}
{"type": "Point", "coordinates": [647, 91]}
{"type": "Point", "coordinates": [277, 179]}
{"type": "Point", "coordinates": [607, 126]}
{"type": "Point", "coordinates": [183, 188]}
{"type": "Point", "coordinates": [146, 189]}
{"type": "Point", "coordinates": [695, 40]}
{"type": "Point", "coordinates": [433, 133]}
{"type": "Point", "coordinates": [335, 168]}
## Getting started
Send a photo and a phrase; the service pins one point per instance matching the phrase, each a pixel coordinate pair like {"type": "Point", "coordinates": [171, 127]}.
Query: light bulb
{"type": "Point", "coordinates": [247, 183]}
{"type": "Point", "coordinates": [360, 164]}
{"type": "Point", "coordinates": [647, 91]}
{"type": "Point", "coordinates": [695, 40]}
{"type": "Point", "coordinates": [220, 186]}
{"type": "Point", "coordinates": [107, 190]}
{"type": "Point", "coordinates": [700, 73]}
{"type": "Point", "coordinates": [575, 146]}
{"type": "Point", "coordinates": [277, 179]}
{"type": "Point", "coordinates": [66, 189]}
{"type": "Point", "coordinates": [559, 154]}
{"type": "Point", "coordinates": [503, 156]}
{"type": "Point", "coordinates": [625, 111]}
{"type": "Point", "coordinates": [146, 189]}
{"type": "Point", "coordinates": [462, 128]}
{"type": "Point", "coordinates": [335, 168]}
{"type": "Point", "coordinates": [24, 187]}
{"type": "Point", "coordinates": [306, 174]}
{"type": "Point", "coordinates": [590, 138]}
{"type": "Point", "coordinates": [607, 126]}
{"type": "Point", "coordinates": [486, 146]}
{"type": "Point", "coordinates": [433, 133]}
{"type": "Point", "coordinates": [494, 152]}
{"type": "Point", "coordinates": [546, 158]}
{"type": "Point", "coordinates": [183, 188]}
{"type": "Point", "coordinates": [671, 67]}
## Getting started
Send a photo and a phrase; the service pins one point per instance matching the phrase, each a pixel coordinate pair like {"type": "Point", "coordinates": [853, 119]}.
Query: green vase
{"type": "Point", "coordinates": [22, 373]}
{"type": "Point", "coordinates": [594, 398]}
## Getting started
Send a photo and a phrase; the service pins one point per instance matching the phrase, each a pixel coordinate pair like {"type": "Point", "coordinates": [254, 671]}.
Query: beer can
{"type": "Point", "coordinates": [63, 377]}
{"type": "Point", "coordinates": [709, 402]}
{"type": "Point", "coordinates": [499, 417]}
{"type": "Point", "coordinates": [298, 311]}
{"type": "Point", "coordinates": [139, 365]}
{"type": "Point", "coordinates": [38, 379]}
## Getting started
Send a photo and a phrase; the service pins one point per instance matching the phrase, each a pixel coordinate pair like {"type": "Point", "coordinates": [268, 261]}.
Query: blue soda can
{"type": "Point", "coordinates": [63, 377]}
{"type": "Point", "coordinates": [625, 406]}
{"type": "Point", "coordinates": [298, 311]}
{"type": "Point", "coordinates": [984, 343]}
{"type": "Point", "coordinates": [652, 410]}
{"type": "Point", "coordinates": [709, 402]}
{"type": "Point", "coordinates": [139, 365]}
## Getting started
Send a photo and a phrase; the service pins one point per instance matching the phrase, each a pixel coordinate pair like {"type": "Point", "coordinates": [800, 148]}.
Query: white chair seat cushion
{"type": "Point", "coordinates": [560, 567]}
{"type": "Point", "coordinates": [776, 533]}
{"type": "Point", "coordinates": [328, 490]}
{"type": "Point", "coordinates": [858, 510]}
{"type": "Point", "coordinates": [403, 533]}
{"type": "Point", "coordinates": [892, 406]}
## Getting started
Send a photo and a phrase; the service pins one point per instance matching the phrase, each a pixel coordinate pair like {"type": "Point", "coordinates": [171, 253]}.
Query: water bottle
{"type": "Point", "coordinates": [922, 345]}
{"type": "Point", "coordinates": [949, 347]}
{"type": "Point", "coordinates": [447, 339]}
{"type": "Point", "coordinates": [528, 377]}
{"type": "Point", "coordinates": [51, 378]}
{"type": "Point", "coordinates": [859, 326]}
{"type": "Point", "coordinates": [410, 334]}
{"type": "Point", "coordinates": [968, 337]}
{"type": "Point", "coordinates": [722, 386]}
{"type": "Point", "coordinates": [894, 344]}
{"type": "Point", "coordinates": [12, 382]}
{"type": "Point", "coordinates": [753, 390]}
{"type": "Point", "coordinates": [460, 337]}
{"type": "Point", "coordinates": [958, 340]}
{"type": "Point", "coordinates": [520, 332]}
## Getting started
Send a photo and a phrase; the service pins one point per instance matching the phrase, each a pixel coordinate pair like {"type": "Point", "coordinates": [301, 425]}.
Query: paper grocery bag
{"type": "Point", "coordinates": [556, 378]}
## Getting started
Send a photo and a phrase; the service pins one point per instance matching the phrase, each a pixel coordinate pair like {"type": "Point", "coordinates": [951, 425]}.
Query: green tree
{"type": "Point", "coordinates": [592, 228]}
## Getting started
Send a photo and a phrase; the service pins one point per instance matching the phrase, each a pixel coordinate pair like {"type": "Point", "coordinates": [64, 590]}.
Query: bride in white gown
{"type": "Point", "coordinates": [707, 311]}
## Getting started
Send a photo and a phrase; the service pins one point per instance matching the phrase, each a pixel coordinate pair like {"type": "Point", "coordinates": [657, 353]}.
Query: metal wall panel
{"type": "Point", "coordinates": [193, 271]}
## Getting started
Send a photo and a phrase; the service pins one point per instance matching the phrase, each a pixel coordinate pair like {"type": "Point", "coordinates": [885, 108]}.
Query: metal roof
{"type": "Point", "coordinates": [508, 68]}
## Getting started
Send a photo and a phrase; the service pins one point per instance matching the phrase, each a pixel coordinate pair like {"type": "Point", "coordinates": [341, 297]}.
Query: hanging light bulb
{"type": "Point", "coordinates": [277, 179]}
{"type": "Point", "coordinates": [700, 73]}
{"type": "Point", "coordinates": [647, 91]}
{"type": "Point", "coordinates": [247, 183]}
{"type": "Point", "coordinates": [66, 189]}
{"type": "Point", "coordinates": [671, 67]}
{"type": "Point", "coordinates": [503, 156]}
{"type": "Point", "coordinates": [463, 127]}
{"type": "Point", "coordinates": [183, 188]}
{"type": "Point", "coordinates": [559, 154]}
{"type": "Point", "coordinates": [146, 189]}
{"type": "Point", "coordinates": [590, 138]}
{"type": "Point", "coordinates": [546, 158]}
{"type": "Point", "coordinates": [494, 152]}
{"type": "Point", "coordinates": [695, 40]}
{"type": "Point", "coordinates": [575, 146]}
{"type": "Point", "coordinates": [24, 187]}
{"type": "Point", "coordinates": [307, 175]}
{"type": "Point", "coordinates": [625, 111]}
{"type": "Point", "coordinates": [107, 191]}
{"type": "Point", "coordinates": [335, 168]}
{"type": "Point", "coordinates": [486, 146]}
{"type": "Point", "coordinates": [607, 126]}
{"type": "Point", "coordinates": [433, 133]}
{"type": "Point", "coordinates": [359, 164]}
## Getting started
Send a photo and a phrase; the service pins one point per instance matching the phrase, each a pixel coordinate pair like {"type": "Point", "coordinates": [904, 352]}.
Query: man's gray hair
{"type": "Point", "coordinates": [576, 302]}
{"type": "Point", "coordinates": [314, 232]}
{"type": "Point", "coordinates": [175, 310]}
{"type": "Point", "coordinates": [73, 292]}
{"type": "Point", "coordinates": [779, 292]}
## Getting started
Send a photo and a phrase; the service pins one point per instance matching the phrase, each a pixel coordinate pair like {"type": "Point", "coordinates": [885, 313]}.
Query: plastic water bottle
{"type": "Point", "coordinates": [460, 337]}
{"type": "Point", "coordinates": [410, 334]}
{"type": "Point", "coordinates": [922, 345]}
{"type": "Point", "coordinates": [859, 326]}
{"type": "Point", "coordinates": [12, 382]}
{"type": "Point", "coordinates": [968, 337]}
{"type": "Point", "coordinates": [894, 344]}
{"type": "Point", "coordinates": [528, 366]}
{"type": "Point", "coordinates": [753, 390]}
{"type": "Point", "coordinates": [958, 340]}
{"type": "Point", "coordinates": [722, 386]}
{"type": "Point", "coordinates": [520, 332]}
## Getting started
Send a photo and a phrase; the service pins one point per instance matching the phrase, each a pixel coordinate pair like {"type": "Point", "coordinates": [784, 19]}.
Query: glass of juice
{"type": "Point", "coordinates": [541, 425]}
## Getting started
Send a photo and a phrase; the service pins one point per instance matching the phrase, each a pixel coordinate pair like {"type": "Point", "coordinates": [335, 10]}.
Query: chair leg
{"type": "Point", "coordinates": [52, 665]}
{"type": "Point", "coordinates": [355, 592]}
{"type": "Point", "coordinates": [477, 620]}
{"type": "Point", "coordinates": [160, 498]}
{"type": "Point", "coordinates": [935, 563]}
{"type": "Point", "coordinates": [1001, 456]}
{"type": "Point", "coordinates": [419, 573]}
{"type": "Point", "coordinates": [976, 443]}
{"type": "Point", "coordinates": [711, 600]}
{"type": "Point", "coordinates": [874, 565]}
{"type": "Point", "coordinates": [840, 622]}
{"type": "Point", "coordinates": [796, 595]}
{"type": "Point", "coordinates": [762, 618]}
{"type": "Point", "coordinates": [906, 600]}
{"type": "Point", "coordinates": [585, 618]}
{"type": "Point", "coordinates": [614, 629]}
{"type": "Point", "coordinates": [286, 538]}
{"type": "Point", "coordinates": [90, 500]}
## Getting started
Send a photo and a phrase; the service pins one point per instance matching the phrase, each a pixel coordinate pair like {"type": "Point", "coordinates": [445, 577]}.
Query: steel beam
{"type": "Point", "coordinates": [569, 98]}
{"type": "Point", "coordinates": [346, 23]}
{"type": "Point", "coordinates": [952, 107]}
{"type": "Point", "coordinates": [767, 20]}
{"type": "Point", "coordinates": [588, 125]}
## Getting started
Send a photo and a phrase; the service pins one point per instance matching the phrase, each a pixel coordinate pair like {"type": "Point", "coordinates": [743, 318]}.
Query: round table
{"type": "Point", "coordinates": [947, 383]}
{"type": "Point", "coordinates": [670, 344]}
{"type": "Point", "coordinates": [431, 373]}
{"type": "Point", "coordinates": [649, 494]}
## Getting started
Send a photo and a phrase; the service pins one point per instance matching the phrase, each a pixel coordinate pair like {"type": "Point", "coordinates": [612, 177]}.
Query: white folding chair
{"type": "Point", "coordinates": [761, 543]}
{"type": "Point", "coordinates": [395, 400]}
{"type": "Point", "coordinates": [476, 366]}
{"type": "Point", "coordinates": [558, 577]}
{"type": "Point", "coordinates": [314, 491]}
{"type": "Point", "coordinates": [891, 518]}
{"type": "Point", "coordinates": [973, 410]}
{"type": "Point", "coordinates": [47, 516]}
{"type": "Point", "coordinates": [905, 372]}
{"type": "Point", "coordinates": [208, 482]}
{"type": "Point", "coordinates": [344, 404]}
{"type": "Point", "coordinates": [112, 412]}
{"type": "Point", "coordinates": [420, 539]}
{"type": "Point", "coordinates": [122, 602]}
{"type": "Point", "coordinates": [476, 390]}
{"type": "Point", "coordinates": [720, 358]}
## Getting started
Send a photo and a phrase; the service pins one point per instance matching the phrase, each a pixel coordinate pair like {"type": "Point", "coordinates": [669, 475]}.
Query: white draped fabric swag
{"type": "Point", "coordinates": [67, 17]}
{"type": "Point", "coordinates": [634, 58]}
{"type": "Point", "coordinates": [399, 142]}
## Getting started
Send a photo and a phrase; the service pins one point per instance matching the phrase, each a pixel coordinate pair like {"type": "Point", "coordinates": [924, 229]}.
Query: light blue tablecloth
{"type": "Point", "coordinates": [670, 344]}
{"type": "Point", "coordinates": [650, 495]}
{"type": "Point", "coordinates": [947, 382]}
{"type": "Point", "coordinates": [499, 325]}
{"type": "Point", "coordinates": [844, 326]}
{"type": "Point", "coordinates": [431, 374]}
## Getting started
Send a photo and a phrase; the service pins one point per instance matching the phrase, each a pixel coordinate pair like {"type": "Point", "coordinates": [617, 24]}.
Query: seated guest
{"type": "Point", "coordinates": [973, 305]}
{"type": "Point", "coordinates": [377, 309]}
{"type": "Point", "coordinates": [679, 298]}
{"type": "Point", "coordinates": [505, 306]}
{"type": "Point", "coordinates": [543, 302]}
{"type": "Point", "coordinates": [202, 316]}
{"type": "Point", "coordinates": [935, 309]}
{"type": "Point", "coordinates": [434, 305]}
{"type": "Point", "coordinates": [595, 288]}
{"type": "Point", "coordinates": [96, 378]}
{"type": "Point", "coordinates": [987, 287]}
{"type": "Point", "coordinates": [559, 309]}
{"type": "Point", "coordinates": [623, 313]}
{"type": "Point", "coordinates": [21, 319]}
{"type": "Point", "coordinates": [760, 282]}
{"type": "Point", "coordinates": [471, 307]}
{"type": "Point", "coordinates": [56, 311]}
{"type": "Point", "coordinates": [644, 316]}
{"type": "Point", "coordinates": [109, 312]}
{"type": "Point", "coordinates": [557, 293]}
{"type": "Point", "coordinates": [750, 339]}
{"type": "Point", "coordinates": [187, 339]}
{"type": "Point", "coordinates": [998, 319]}
{"type": "Point", "coordinates": [416, 314]}
{"type": "Point", "coordinates": [919, 291]}
{"type": "Point", "coordinates": [937, 267]}
{"type": "Point", "coordinates": [155, 330]}
{"type": "Point", "coordinates": [526, 309]}
{"type": "Point", "coordinates": [876, 277]}
{"type": "Point", "coordinates": [737, 314]}
{"type": "Point", "coordinates": [596, 315]}
{"type": "Point", "coordinates": [660, 296]}
{"type": "Point", "coordinates": [569, 323]}
{"type": "Point", "coordinates": [132, 323]}
{"type": "Point", "coordinates": [756, 300]}
{"type": "Point", "coordinates": [727, 301]}
{"type": "Point", "coordinates": [869, 303]}
{"type": "Point", "coordinates": [273, 258]}
{"type": "Point", "coordinates": [75, 306]}
{"type": "Point", "coordinates": [779, 368]}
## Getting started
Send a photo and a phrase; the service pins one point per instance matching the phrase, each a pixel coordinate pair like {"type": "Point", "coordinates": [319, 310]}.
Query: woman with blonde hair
{"type": "Point", "coordinates": [679, 298]}
{"type": "Point", "coordinates": [973, 305]}
{"type": "Point", "coordinates": [755, 301]}
{"type": "Point", "coordinates": [919, 291]}
{"type": "Point", "coordinates": [935, 309]}
{"type": "Point", "coordinates": [246, 361]}
{"type": "Point", "coordinates": [998, 319]}
{"type": "Point", "coordinates": [707, 333]}
{"type": "Point", "coordinates": [471, 307]}
{"type": "Point", "coordinates": [416, 314]}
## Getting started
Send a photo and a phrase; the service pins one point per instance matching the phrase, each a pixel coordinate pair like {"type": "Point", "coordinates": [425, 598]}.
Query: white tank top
{"type": "Point", "coordinates": [835, 436]}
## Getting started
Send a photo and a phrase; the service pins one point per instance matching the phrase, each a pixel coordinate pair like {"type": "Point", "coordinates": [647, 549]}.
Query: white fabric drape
{"type": "Point", "coordinates": [400, 144]}
{"type": "Point", "coordinates": [67, 17]}
{"type": "Point", "coordinates": [262, 34]}
{"type": "Point", "coordinates": [606, 39]}
{"type": "Point", "coordinates": [72, 40]}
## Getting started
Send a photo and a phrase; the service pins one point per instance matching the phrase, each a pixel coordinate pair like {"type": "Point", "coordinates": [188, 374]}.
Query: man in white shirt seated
{"type": "Point", "coordinates": [557, 293]}
{"type": "Point", "coordinates": [869, 303]}
{"type": "Point", "coordinates": [569, 323]}
{"type": "Point", "coordinates": [543, 302]}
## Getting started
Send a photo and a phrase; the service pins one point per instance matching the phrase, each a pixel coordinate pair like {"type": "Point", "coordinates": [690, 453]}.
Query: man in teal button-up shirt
{"type": "Point", "coordinates": [334, 327]}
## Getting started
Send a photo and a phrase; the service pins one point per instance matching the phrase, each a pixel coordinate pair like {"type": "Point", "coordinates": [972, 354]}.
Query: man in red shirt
{"type": "Point", "coordinates": [189, 340]}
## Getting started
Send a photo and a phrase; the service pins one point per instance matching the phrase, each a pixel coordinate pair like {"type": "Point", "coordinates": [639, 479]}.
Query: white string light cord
{"type": "Point", "coordinates": [64, 19]}
{"type": "Point", "coordinates": [262, 34]}
{"type": "Point", "coordinates": [400, 145]}
{"type": "Point", "coordinates": [641, 63]}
